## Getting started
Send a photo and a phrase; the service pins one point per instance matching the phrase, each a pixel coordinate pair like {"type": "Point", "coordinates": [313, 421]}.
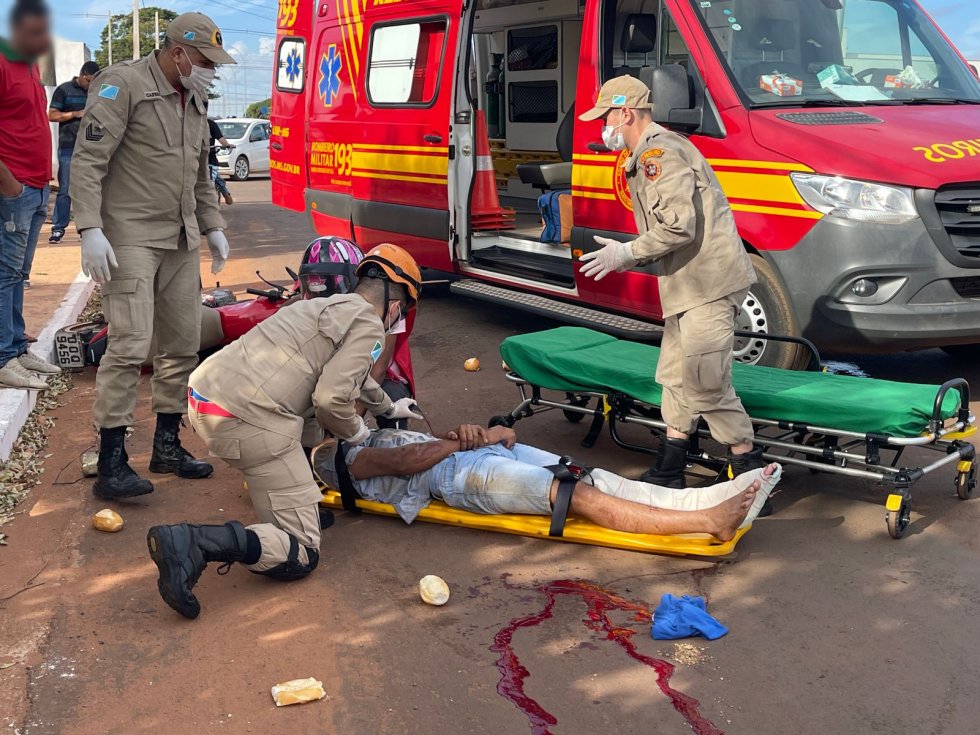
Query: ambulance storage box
{"type": "Point", "coordinates": [780, 84]}
{"type": "Point", "coordinates": [835, 74]}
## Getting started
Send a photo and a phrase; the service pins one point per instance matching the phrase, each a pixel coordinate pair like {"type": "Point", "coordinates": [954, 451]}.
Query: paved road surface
{"type": "Point", "coordinates": [835, 628]}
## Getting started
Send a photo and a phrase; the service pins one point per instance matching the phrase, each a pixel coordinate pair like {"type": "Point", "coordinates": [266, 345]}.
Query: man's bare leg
{"type": "Point", "coordinates": [692, 498]}
{"type": "Point", "coordinates": [607, 511]}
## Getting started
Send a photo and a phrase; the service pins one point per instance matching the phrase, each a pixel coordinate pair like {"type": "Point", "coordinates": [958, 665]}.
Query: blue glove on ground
{"type": "Point", "coordinates": [684, 617]}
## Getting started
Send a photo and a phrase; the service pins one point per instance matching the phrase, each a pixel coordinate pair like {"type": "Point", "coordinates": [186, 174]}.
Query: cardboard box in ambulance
{"type": "Point", "coordinates": [846, 134]}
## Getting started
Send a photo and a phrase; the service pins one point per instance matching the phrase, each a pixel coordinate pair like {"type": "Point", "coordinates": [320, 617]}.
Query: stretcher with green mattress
{"type": "Point", "coordinates": [833, 423]}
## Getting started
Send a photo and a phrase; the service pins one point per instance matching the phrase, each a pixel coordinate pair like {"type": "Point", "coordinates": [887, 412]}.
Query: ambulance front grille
{"type": "Point", "coordinates": [959, 211]}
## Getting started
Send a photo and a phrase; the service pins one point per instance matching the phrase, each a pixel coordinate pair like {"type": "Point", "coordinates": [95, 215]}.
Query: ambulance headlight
{"type": "Point", "coordinates": [856, 200]}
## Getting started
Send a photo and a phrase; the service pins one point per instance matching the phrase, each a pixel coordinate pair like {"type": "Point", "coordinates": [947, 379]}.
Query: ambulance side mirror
{"type": "Point", "coordinates": [673, 96]}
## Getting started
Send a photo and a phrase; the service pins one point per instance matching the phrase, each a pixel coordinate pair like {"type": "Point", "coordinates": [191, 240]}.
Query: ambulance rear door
{"type": "Point", "coordinates": [287, 142]}
{"type": "Point", "coordinates": [401, 134]}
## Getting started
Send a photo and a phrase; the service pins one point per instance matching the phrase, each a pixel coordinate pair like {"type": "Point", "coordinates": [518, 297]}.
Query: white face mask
{"type": "Point", "coordinates": [198, 80]}
{"type": "Point", "coordinates": [395, 320]}
{"type": "Point", "coordinates": [611, 139]}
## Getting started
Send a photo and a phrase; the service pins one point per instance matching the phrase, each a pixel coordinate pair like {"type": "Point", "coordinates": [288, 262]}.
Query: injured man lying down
{"type": "Point", "coordinates": [487, 471]}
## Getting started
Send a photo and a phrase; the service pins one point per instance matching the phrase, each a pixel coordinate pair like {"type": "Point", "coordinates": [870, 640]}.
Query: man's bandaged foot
{"type": "Point", "coordinates": [692, 498]}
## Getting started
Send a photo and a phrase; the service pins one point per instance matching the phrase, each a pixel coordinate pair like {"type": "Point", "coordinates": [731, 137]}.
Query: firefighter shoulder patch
{"type": "Point", "coordinates": [94, 132]}
{"type": "Point", "coordinates": [109, 91]}
{"type": "Point", "coordinates": [651, 167]}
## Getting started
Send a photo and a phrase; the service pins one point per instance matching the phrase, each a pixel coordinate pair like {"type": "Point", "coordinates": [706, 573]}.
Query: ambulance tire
{"type": "Point", "coordinates": [767, 308]}
{"type": "Point", "coordinates": [241, 169]}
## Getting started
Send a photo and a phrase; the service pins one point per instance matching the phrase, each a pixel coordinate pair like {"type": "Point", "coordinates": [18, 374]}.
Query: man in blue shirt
{"type": "Point", "coordinates": [67, 108]}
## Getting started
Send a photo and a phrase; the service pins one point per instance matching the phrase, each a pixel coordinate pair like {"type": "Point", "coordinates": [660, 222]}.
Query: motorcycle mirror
{"type": "Point", "coordinates": [276, 286]}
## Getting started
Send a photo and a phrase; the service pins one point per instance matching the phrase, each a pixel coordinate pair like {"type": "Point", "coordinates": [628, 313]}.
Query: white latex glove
{"type": "Point", "coordinates": [402, 409]}
{"type": "Point", "coordinates": [614, 256]}
{"type": "Point", "coordinates": [361, 435]}
{"type": "Point", "coordinates": [97, 255]}
{"type": "Point", "coordinates": [218, 245]}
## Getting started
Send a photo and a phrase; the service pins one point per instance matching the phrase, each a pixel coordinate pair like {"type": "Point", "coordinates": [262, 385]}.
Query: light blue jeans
{"type": "Point", "coordinates": [219, 183]}
{"type": "Point", "coordinates": [495, 480]}
{"type": "Point", "coordinates": [21, 218]}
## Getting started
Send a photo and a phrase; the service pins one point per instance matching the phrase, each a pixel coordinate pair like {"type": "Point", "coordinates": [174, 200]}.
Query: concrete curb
{"type": "Point", "coordinates": [16, 405]}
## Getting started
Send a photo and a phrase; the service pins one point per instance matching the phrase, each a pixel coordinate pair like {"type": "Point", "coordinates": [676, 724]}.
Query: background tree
{"type": "Point", "coordinates": [256, 108]}
{"type": "Point", "coordinates": [121, 29]}
{"type": "Point", "coordinates": [122, 34]}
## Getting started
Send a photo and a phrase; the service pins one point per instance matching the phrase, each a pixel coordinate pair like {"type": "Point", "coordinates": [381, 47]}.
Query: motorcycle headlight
{"type": "Point", "coordinates": [856, 200]}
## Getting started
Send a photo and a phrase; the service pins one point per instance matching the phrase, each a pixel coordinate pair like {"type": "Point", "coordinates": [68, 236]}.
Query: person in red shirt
{"type": "Point", "coordinates": [25, 170]}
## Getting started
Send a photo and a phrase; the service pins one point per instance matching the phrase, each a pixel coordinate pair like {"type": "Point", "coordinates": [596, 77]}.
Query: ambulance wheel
{"type": "Point", "coordinates": [766, 309]}
{"type": "Point", "coordinates": [966, 482]}
{"type": "Point", "coordinates": [898, 520]}
{"type": "Point", "coordinates": [241, 169]}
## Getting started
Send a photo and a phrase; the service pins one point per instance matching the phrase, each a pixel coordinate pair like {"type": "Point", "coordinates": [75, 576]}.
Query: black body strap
{"type": "Point", "coordinates": [568, 474]}
{"type": "Point", "coordinates": [348, 495]}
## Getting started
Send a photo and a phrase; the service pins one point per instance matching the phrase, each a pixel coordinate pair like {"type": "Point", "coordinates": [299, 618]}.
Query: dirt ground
{"type": "Point", "coordinates": [834, 627]}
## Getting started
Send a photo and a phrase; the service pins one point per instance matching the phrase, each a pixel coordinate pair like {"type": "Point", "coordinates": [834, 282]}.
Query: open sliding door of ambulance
{"type": "Point", "coordinates": [379, 143]}
{"type": "Point", "coordinates": [287, 143]}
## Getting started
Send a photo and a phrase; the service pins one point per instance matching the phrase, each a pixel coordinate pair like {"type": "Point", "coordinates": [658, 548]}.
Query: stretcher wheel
{"type": "Point", "coordinates": [966, 482]}
{"type": "Point", "coordinates": [573, 416]}
{"type": "Point", "coordinates": [898, 520]}
{"type": "Point", "coordinates": [500, 420]}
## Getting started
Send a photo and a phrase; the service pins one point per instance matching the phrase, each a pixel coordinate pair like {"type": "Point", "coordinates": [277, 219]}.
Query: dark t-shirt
{"type": "Point", "coordinates": [215, 133]}
{"type": "Point", "coordinates": [68, 97]}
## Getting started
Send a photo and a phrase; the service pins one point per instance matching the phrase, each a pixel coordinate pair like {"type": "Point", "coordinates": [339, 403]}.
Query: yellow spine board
{"type": "Point", "coordinates": [576, 530]}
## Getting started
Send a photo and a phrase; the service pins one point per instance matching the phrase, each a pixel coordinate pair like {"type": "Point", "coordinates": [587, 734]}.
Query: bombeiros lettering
{"type": "Point", "coordinates": [953, 150]}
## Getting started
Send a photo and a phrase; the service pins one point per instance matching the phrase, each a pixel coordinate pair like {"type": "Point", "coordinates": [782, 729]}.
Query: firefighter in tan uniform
{"type": "Point", "coordinates": [686, 226]}
{"type": "Point", "coordinates": [143, 198]}
{"type": "Point", "coordinates": [250, 403]}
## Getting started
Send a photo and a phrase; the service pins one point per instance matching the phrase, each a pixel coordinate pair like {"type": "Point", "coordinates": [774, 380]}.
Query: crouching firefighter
{"type": "Point", "coordinates": [249, 403]}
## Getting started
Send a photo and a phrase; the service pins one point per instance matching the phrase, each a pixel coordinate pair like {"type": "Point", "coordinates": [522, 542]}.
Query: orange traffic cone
{"type": "Point", "coordinates": [485, 210]}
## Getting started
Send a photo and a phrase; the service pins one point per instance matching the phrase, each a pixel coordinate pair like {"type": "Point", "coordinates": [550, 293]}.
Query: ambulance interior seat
{"type": "Point", "coordinates": [546, 175]}
{"type": "Point", "coordinates": [772, 38]}
{"type": "Point", "coordinates": [639, 36]}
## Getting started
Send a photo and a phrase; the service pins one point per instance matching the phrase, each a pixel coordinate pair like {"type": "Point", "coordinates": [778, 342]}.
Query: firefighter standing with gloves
{"type": "Point", "coordinates": [685, 224]}
{"type": "Point", "coordinates": [250, 403]}
{"type": "Point", "coordinates": [143, 198]}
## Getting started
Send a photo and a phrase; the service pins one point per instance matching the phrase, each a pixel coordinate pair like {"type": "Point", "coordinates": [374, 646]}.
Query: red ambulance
{"type": "Point", "coordinates": [846, 134]}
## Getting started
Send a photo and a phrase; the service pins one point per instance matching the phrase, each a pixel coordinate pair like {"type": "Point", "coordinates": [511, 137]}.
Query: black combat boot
{"type": "Point", "coordinates": [181, 553]}
{"type": "Point", "coordinates": [671, 461]}
{"type": "Point", "coordinates": [116, 479]}
{"type": "Point", "coordinates": [169, 457]}
{"type": "Point", "coordinates": [752, 460]}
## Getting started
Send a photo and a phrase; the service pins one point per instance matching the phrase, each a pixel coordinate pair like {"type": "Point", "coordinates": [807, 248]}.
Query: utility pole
{"type": "Point", "coordinates": [156, 29]}
{"type": "Point", "coordinates": [108, 37]}
{"type": "Point", "coordinates": [136, 29]}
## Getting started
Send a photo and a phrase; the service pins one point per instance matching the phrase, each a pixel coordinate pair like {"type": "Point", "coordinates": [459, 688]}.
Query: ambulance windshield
{"type": "Point", "coordinates": [786, 53]}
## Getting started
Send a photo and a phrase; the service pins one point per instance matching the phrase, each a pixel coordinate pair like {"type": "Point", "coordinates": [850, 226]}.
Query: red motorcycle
{"type": "Point", "coordinates": [223, 320]}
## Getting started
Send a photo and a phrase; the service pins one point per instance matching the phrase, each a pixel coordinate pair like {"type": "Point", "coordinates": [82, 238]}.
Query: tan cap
{"type": "Point", "coordinates": [198, 31]}
{"type": "Point", "coordinates": [625, 91]}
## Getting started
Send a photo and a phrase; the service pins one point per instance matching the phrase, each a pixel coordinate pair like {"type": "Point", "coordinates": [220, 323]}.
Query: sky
{"type": "Point", "coordinates": [248, 27]}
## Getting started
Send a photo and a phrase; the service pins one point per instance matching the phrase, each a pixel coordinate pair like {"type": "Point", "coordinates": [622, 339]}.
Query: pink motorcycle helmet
{"type": "Point", "coordinates": [328, 267]}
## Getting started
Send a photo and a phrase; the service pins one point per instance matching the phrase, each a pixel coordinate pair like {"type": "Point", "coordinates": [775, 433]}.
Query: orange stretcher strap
{"type": "Point", "coordinates": [202, 405]}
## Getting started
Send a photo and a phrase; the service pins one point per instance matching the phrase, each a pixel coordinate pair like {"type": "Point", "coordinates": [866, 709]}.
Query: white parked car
{"type": "Point", "coordinates": [250, 136]}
